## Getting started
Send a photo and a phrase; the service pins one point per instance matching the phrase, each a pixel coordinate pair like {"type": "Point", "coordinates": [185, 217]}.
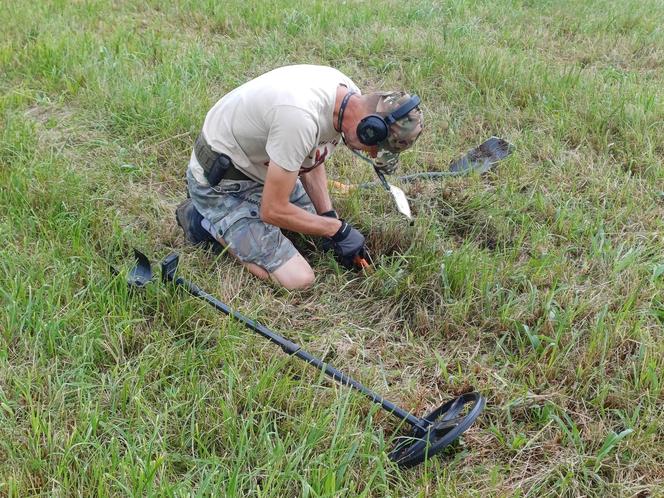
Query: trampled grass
{"type": "Point", "coordinates": [540, 285]}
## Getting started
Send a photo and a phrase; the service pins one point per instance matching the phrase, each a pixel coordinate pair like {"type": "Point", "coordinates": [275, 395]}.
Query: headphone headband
{"type": "Point", "coordinates": [403, 110]}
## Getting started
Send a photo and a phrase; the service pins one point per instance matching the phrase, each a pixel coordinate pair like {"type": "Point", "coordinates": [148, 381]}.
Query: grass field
{"type": "Point", "coordinates": [541, 284]}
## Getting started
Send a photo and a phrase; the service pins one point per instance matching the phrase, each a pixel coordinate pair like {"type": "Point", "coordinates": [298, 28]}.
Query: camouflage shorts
{"type": "Point", "coordinates": [233, 208]}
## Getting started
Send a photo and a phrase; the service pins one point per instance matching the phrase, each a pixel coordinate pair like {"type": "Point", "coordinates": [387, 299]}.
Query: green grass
{"type": "Point", "coordinates": [541, 285]}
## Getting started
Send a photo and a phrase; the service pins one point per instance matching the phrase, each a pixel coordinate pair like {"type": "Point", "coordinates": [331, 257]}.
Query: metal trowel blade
{"type": "Point", "coordinates": [401, 201]}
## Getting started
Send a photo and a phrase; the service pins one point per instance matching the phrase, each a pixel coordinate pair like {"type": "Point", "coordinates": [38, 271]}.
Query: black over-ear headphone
{"type": "Point", "coordinates": [374, 128]}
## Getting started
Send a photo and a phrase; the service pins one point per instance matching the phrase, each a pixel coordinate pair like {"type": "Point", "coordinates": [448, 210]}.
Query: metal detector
{"type": "Point", "coordinates": [431, 433]}
{"type": "Point", "coordinates": [479, 160]}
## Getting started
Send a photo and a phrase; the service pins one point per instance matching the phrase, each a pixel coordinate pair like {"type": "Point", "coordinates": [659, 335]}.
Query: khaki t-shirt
{"type": "Point", "coordinates": [284, 115]}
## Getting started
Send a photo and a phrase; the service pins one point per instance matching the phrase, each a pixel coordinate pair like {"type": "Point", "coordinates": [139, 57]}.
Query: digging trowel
{"type": "Point", "coordinates": [398, 195]}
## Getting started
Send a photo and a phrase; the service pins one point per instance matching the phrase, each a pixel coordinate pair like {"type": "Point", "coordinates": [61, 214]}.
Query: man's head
{"type": "Point", "coordinates": [389, 123]}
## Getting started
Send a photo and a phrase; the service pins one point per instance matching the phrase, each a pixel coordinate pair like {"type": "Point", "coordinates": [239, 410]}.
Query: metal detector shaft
{"type": "Point", "coordinates": [294, 350]}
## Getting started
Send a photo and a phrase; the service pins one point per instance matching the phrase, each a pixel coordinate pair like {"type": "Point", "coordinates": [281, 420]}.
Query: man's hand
{"type": "Point", "coordinates": [358, 259]}
{"type": "Point", "coordinates": [347, 243]}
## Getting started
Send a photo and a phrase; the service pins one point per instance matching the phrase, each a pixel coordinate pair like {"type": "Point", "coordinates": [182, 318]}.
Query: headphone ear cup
{"type": "Point", "coordinates": [372, 130]}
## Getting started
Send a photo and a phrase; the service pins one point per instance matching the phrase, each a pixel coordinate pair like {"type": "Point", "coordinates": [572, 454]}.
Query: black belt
{"type": "Point", "coordinates": [216, 165]}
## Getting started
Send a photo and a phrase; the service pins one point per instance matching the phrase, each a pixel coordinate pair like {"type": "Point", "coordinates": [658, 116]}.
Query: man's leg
{"type": "Point", "coordinates": [229, 212]}
{"type": "Point", "coordinates": [267, 253]}
{"type": "Point", "coordinates": [296, 273]}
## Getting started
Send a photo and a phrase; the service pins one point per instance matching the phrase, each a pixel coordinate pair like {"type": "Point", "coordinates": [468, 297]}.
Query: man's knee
{"type": "Point", "coordinates": [294, 281]}
{"type": "Point", "coordinates": [294, 274]}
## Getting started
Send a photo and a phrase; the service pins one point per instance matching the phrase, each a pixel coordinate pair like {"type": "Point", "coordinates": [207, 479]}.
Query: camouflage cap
{"type": "Point", "coordinates": [403, 132]}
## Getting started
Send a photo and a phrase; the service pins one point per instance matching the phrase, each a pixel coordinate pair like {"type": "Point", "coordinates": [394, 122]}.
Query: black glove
{"type": "Point", "coordinates": [347, 243]}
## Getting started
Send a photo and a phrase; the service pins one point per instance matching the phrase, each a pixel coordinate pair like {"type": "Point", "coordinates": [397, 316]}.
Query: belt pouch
{"type": "Point", "coordinates": [215, 165]}
{"type": "Point", "coordinates": [218, 170]}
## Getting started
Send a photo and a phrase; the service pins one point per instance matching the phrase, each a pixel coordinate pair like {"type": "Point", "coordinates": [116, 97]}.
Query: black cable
{"type": "Point", "coordinates": [415, 176]}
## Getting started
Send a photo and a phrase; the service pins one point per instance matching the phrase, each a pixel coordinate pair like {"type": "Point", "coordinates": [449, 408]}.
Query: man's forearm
{"type": "Point", "coordinates": [276, 209]}
{"type": "Point", "coordinates": [296, 219]}
{"type": "Point", "coordinates": [315, 184]}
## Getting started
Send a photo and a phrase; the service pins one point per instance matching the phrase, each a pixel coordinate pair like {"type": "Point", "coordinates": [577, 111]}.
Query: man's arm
{"type": "Point", "coordinates": [315, 184]}
{"type": "Point", "coordinates": [276, 208]}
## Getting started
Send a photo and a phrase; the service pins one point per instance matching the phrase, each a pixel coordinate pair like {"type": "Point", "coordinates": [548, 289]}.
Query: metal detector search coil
{"type": "Point", "coordinates": [431, 434]}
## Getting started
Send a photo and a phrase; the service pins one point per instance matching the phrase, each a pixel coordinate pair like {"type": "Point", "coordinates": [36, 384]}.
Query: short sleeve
{"type": "Point", "coordinates": [292, 136]}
